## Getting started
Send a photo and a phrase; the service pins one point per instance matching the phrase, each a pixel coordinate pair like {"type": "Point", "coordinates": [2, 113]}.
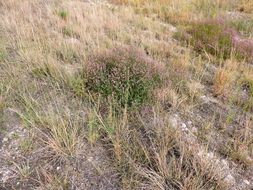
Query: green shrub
{"type": "Point", "coordinates": [125, 74]}
{"type": "Point", "coordinates": [210, 37]}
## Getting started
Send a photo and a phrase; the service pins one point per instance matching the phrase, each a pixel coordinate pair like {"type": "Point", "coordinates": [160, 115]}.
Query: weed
{"type": "Point", "coordinates": [210, 37]}
{"type": "Point", "coordinates": [24, 170]}
{"type": "Point", "coordinates": [2, 55]}
{"type": "Point", "coordinates": [27, 145]}
{"type": "Point", "coordinates": [124, 74]}
{"type": "Point", "coordinates": [68, 31]}
{"type": "Point", "coordinates": [244, 26]}
{"type": "Point", "coordinates": [93, 127]}
{"type": "Point", "coordinates": [220, 81]}
{"type": "Point", "coordinates": [67, 54]}
{"type": "Point", "coordinates": [155, 159]}
{"type": "Point", "coordinates": [54, 181]}
{"type": "Point", "coordinates": [247, 86]}
{"type": "Point", "coordinates": [238, 151]}
{"type": "Point", "coordinates": [216, 38]}
{"type": "Point", "coordinates": [77, 86]}
{"type": "Point", "coordinates": [63, 14]}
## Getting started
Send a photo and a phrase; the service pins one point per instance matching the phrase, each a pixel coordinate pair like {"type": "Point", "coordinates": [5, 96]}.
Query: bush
{"type": "Point", "coordinates": [244, 26]}
{"type": "Point", "coordinates": [217, 38]}
{"type": "Point", "coordinates": [210, 36]}
{"type": "Point", "coordinates": [125, 74]}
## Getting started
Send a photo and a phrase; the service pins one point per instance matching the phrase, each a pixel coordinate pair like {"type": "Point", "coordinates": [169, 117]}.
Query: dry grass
{"type": "Point", "coordinates": [245, 6]}
{"type": "Point", "coordinates": [52, 55]}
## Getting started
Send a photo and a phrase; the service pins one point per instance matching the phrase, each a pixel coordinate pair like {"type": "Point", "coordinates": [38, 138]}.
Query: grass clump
{"type": "Point", "coordinates": [3, 52]}
{"type": "Point", "coordinates": [248, 85]}
{"type": "Point", "coordinates": [210, 37]}
{"type": "Point", "coordinates": [217, 38]}
{"type": "Point", "coordinates": [151, 153]}
{"type": "Point", "coordinates": [126, 75]}
{"type": "Point", "coordinates": [244, 26]}
{"type": "Point", "coordinates": [63, 14]}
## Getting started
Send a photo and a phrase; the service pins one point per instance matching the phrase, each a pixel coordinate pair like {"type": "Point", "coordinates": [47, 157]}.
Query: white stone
{"type": "Point", "coordinates": [184, 127]}
{"type": "Point", "coordinates": [6, 175]}
{"type": "Point", "coordinates": [90, 159]}
{"type": "Point", "coordinates": [5, 139]}
{"type": "Point", "coordinates": [174, 122]}
{"type": "Point", "coordinates": [246, 182]}
{"type": "Point", "coordinates": [189, 122]}
{"type": "Point", "coordinates": [173, 28]}
{"type": "Point", "coordinates": [225, 164]}
{"type": "Point", "coordinates": [230, 179]}
{"type": "Point", "coordinates": [58, 168]}
{"type": "Point", "coordinates": [194, 130]}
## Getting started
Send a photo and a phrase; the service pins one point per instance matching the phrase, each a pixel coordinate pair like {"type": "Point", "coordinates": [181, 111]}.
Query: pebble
{"type": "Point", "coordinates": [5, 139]}
{"type": "Point", "coordinates": [90, 159]}
{"type": "Point", "coordinates": [174, 122]}
{"type": "Point", "coordinates": [225, 164]}
{"type": "Point", "coordinates": [189, 123]}
{"type": "Point", "coordinates": [184, 127]}
{"type": "Point", "coordinates": [230, 179]}
{"type": "Point", "coordinates": [194, 130]}
{"type": "Point", "coordinates": [246, 182]}
{"type": "Point", "coordinates": [210, 155]}
{"type": "Point", "coordinates": [58, 168]}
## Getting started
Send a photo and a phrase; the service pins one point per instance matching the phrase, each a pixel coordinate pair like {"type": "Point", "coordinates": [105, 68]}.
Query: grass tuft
{"type": "Point", "coordinates": [63, 14]}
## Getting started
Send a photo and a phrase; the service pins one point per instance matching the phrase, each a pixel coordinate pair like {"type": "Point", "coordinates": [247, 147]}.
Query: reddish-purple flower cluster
{"type": "Point", "coordinates": [216, 37]}
{"type": "Point", "coordinates": [243, 45]}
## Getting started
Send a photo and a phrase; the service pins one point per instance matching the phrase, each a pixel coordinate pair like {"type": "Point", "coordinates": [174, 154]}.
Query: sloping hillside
{"type": "Point", "coordinates": [126, 94]}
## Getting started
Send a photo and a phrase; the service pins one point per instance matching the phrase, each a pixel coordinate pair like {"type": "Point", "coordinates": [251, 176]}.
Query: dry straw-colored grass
{"type": "Point", "coordinates": [45, 51]}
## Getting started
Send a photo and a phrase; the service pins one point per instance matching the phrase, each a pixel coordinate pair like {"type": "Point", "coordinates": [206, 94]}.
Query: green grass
{"type": "Point", "coordinates": [3, 52]}
{"type": "Point", "coordinates": [244, 26]}
{"type": "Point", "coordinates": [63, 14]}
{"type": "Point", "coordinates": [210, 37]}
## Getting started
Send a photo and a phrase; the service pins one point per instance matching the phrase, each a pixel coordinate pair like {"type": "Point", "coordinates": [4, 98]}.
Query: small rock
{"type": "Point", "coordinates": [172, 28]}
{"type": "Point", "coordinates": [58, 168]}
{"type": "Point", "coordinates": [230, 179]}
{"type": "Point", "coordinates": [189, 122]}
{"type": "Point", "coordinates": [174, 122]}
{"type": "Point", "coordinates": [210, 155]}
{"type": "Point", "coordinates": [5, 175]}
{"type": "Point", "coordinates": [246, 182]}
{"type": "Point", "coordinates": [225, 164]}
{"type": "Point", "coordinates": [184, 127]}
{"type": "Point", "coordinates": [194, 130]}
{"type": "Point", "coordinates": [90, 159]}
{"type": "Point", "coordinates": [5, 139]}
{"type": "Point", "coordinates": [73, 41]}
